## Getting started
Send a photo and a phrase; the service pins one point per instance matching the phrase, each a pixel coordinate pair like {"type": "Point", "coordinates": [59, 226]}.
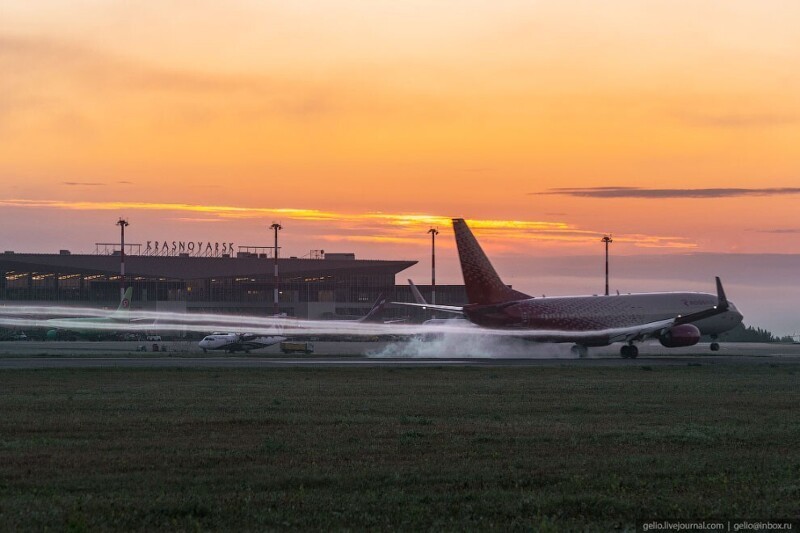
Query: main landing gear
{"type": "Point", "coordinates": [579, 350]}
{"type": "Point", "coordinates": [629, 351]}
{"type": "Point", "coordinates": [714, 344]}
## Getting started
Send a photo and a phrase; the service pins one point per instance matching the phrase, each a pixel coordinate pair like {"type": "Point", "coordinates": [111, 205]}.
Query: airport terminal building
{"type": "Point", "coordinates": [320, 286]}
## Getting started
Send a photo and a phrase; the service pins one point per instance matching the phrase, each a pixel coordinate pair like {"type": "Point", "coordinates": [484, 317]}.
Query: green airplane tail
{"type": "Point", "coordinates": [125, 303]}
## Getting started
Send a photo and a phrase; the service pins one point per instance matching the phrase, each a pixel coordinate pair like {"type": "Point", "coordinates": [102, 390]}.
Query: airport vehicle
{"type": "Point", "coordinates": [297, 347]}
{"type": "Point", "coordinates": [238, 342]}
{"type": "Point", "coordinates": [96, 326]}
{"type": "Point", "coordinates": [674, 318]}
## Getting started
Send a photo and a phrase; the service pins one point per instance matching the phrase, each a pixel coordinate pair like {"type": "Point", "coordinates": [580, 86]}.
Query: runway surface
{"type": "Point", "coordinates": [322, 362]}
{"type": "Point", "coordinates": [31, 355]}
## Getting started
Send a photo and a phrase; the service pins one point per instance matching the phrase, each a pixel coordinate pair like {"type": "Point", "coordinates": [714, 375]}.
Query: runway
{"type": "Point", "coordinates": [341, 362]}
{"type": "Point", "coordinates": [32, 355]}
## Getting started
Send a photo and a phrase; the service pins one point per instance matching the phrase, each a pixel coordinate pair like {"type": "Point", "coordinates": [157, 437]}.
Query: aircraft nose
{"type": "Point", "coordinates": [735, 315]}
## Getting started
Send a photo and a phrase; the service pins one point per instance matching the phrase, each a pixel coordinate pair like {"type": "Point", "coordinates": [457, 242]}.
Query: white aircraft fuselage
{"type": "Point", "coordinates": [238, 342]}
{"type": "Point", "coordinates": [598, 313]}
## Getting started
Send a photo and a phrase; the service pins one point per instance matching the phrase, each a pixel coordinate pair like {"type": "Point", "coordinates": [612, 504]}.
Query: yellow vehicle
{"type": "Point", "coordinates": [297, 347]}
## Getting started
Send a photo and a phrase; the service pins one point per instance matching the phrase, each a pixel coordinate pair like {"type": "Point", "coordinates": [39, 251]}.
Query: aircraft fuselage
{"type": "Point", "coordinates": [590, 313]}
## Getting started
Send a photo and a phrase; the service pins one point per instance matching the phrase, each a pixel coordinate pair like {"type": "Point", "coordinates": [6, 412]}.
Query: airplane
{"type": "Point", "coordinates": [674, 318]}
{"type": "Point", "coordinates": [374, 311]}
{"type": "Point", "coordinates": [418, 298]}
{"type": "Point", "coordinates": [238, 342]}
{"type": "Point", "coordinates": [372, 314]}
{"type": "Point", "coordinates": [455, 321]}
{"type": "Point", "coordinates": [94, 326]}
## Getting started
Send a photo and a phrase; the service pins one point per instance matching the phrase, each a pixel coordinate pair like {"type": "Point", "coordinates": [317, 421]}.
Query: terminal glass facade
{"type": "Point", "coordinates": [308, 288]}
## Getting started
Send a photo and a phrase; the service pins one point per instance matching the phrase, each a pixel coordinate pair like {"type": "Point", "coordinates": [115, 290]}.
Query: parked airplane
{"type": "Point", "coordinates": [95, 326]}
{"type": "Point", "coordinates": [674, 318]}
{"type": "Point", "coordinates": [454, 321]}
{"type": "Point", "coordinates": [238, 342]}
{"type": "Point", "coordinates": [418, 297]}
{"type": "Point", "coordinates": [374, 311]}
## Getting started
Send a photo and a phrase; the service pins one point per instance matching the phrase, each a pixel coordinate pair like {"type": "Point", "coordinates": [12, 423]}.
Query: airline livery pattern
{"type": "Point", "coordinates": [588, 312]}
{"type": "Point", "coordinates": [480, 278]}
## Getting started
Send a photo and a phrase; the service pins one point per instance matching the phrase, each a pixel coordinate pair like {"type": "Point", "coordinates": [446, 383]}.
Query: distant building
{"type": "Point", "coordinates": [325, 286]}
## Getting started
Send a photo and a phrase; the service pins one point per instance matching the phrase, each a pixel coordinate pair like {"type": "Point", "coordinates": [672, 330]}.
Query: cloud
{"type": "Point", "coordinates": [740, 120]}
{"type": "Point", "coordinates": [788, 231]}
{"type": "Point", "coordinates": [40, 57]}
{"type": "Point", "coordinates": [83, 184]}
{"type": "Point", "coordinates": [197, 219]}
{"type": "Point", "coordinates": [375, 227]}
{"type": "Point", "coordinates": [638, 192]}
{"type": "Point", "coordinates": [49, 75]}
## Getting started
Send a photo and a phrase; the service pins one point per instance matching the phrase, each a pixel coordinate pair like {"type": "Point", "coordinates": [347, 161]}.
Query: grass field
{"type": "Point", "coordinates": [377, 448]}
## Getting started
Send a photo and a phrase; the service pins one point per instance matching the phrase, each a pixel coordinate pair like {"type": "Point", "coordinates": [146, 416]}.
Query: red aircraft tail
{"type": "Point", "coordinates": [483, 284]}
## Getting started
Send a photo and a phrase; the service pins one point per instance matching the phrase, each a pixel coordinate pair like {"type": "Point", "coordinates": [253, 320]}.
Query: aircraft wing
{"type": "Point", "coordinates": [601, 337]}
{"type": "Point", "coordinates": [255, 342]}
{"type": "Point", "coordinates": [454, 309]}
{"type": "Point", "coordinates": [140, 320]}
{"type": "Point", "coordinates": [721, 307]}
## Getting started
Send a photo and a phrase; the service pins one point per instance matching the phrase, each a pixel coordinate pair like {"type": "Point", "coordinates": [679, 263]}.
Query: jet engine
{"type": "Point", "coordinates": [683, 335]}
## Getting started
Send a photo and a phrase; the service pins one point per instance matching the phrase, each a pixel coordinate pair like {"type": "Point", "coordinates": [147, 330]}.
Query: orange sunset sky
{"type": "Point", "coordinates": [674, 125]}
